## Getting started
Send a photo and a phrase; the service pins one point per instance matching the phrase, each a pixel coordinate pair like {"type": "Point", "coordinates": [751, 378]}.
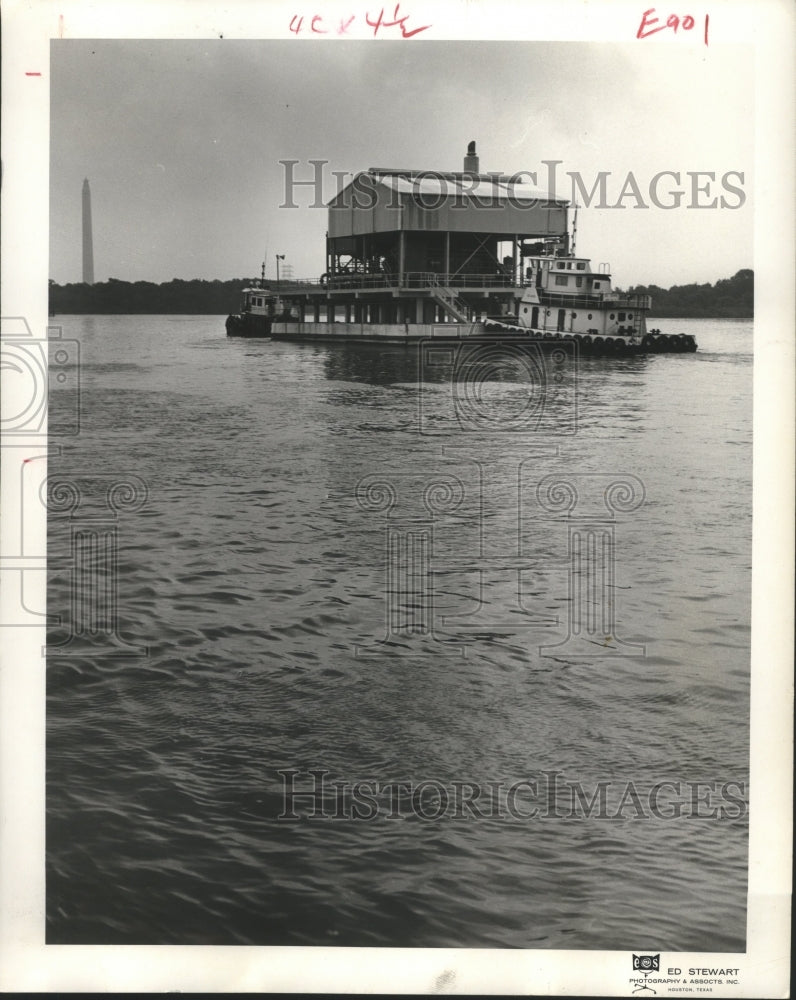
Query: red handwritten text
{"type": "Point", "coordinates": [650, 24]}
{"type": "Point", "coordinates": [396, 21]}
{"type": "Point", "coordinates": [315, 25]}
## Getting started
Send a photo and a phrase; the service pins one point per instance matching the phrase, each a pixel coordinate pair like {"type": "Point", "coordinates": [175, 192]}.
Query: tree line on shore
{"type": "Point", "coordinates": [729, 298]}
{"type": "Point", "coordinates": [195, 297]}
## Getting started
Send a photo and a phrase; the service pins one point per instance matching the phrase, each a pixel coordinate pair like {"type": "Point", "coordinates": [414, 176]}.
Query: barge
{"type": "Point", "coordinates": [412, 255]}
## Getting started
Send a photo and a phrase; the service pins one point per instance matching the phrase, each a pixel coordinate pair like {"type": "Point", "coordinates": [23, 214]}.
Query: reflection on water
{"type": "Point", "coordinates": [346, 562]}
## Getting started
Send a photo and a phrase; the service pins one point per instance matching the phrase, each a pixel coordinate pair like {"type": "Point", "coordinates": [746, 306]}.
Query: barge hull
{"type": "Point", "coordinates": [392, 333]}
{"type": "Point", "coordinates": [375, 333]}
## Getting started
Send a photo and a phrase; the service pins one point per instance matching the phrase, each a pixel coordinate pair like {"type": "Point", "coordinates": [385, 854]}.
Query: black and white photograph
{"type": "Point", "coordinates": [397, 523]}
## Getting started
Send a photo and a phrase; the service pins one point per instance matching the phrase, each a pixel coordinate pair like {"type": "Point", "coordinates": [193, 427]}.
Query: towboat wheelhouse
{"type": "Point", "coordinates": [563, 295]}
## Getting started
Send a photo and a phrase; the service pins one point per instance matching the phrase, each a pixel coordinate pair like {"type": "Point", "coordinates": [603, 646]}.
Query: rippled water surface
{"type": "Point", "coordinates": [345, 564]}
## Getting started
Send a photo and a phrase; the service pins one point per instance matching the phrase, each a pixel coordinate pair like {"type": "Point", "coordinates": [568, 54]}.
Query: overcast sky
{"type": "Point", "coordinates": [182, 143]}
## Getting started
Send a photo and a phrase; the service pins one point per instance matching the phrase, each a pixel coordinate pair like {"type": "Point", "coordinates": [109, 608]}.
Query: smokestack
{"type": "Point", "coordinates": [88, 239]}
{"type": "Point", "coordinates": [471, 160]}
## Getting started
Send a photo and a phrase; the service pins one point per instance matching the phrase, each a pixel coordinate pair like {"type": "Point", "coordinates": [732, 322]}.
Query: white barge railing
{"type": "Point", "coordinates": [433, 281]}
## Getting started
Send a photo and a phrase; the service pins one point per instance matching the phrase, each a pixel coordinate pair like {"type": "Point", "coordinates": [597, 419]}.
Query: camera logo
{"type": "Point", "coordinates": [513, 385]}
{"type": "Point", "coordinates": [26, 361]}
{"type": "Point", "coordinates": [479, 368]}
{"type": "Point", "coordinates": [645, 964]}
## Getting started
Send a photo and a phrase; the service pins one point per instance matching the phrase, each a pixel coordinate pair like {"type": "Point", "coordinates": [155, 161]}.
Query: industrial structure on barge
{"type": "Point", "coordinates": [418, 254]}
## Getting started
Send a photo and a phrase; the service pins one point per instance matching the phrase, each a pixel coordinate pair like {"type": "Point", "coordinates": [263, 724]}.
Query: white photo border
{"type": "Point", "coordinates": [26, 963]}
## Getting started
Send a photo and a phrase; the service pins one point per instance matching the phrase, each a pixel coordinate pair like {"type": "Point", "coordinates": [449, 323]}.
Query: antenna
{"type": "Point", "coordinates": [574, 228]}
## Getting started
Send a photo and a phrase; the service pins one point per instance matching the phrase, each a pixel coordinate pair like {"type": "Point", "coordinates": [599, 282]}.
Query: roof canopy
{"type": "Point", "coordinates": [384, 200]}
{"type": "Point", "coordinates": [431, 183]}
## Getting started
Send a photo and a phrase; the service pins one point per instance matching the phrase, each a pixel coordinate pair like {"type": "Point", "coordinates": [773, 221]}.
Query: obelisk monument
{"type": "Point", "coordinates": [88, 239]}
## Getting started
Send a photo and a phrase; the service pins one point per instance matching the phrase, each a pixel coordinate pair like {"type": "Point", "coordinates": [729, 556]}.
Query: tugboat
{"type": "Point", "coordinates": [415, 254]}
{"type": "Point", "coordinates": [255, 316]}
{"type": "Point", "coordinates": [564, 299]}
{"type": "Point", "coordinates": [260, 306]}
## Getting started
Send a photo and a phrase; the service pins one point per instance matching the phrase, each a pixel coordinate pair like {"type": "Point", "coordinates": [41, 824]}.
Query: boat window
{"type": "Point", "coordinates": [589, 315]}
{"type": "Point", "coordinates": [621, 317]}
{"type": "Point", "coordinates": [561, 279]}
{"type": "Point", "coordinates": [596, 284]}
{"type": "Point", "coordinates": [578, 281]}
{"type": "Point", "coordinates": [611, 316]}
{"type": "Point", "coordinates": [630, 315]}
{"type": "Point", "coordinates": [581, 265]}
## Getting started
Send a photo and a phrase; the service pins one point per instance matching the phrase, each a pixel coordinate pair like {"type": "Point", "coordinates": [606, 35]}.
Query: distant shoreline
{"type": "Point", "coordinates": [729, 298]}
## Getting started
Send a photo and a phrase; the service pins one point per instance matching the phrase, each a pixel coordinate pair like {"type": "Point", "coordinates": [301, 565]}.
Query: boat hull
{"type": "Point", "coordinates": [248, 325]}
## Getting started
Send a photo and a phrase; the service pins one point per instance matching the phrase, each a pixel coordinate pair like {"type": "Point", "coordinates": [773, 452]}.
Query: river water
{"type": "Point", "coordinates": [510, 596]}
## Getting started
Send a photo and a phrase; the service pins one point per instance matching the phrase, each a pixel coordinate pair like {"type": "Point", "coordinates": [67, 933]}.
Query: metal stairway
{"type": "Point", "coordinates": [448, 299]}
